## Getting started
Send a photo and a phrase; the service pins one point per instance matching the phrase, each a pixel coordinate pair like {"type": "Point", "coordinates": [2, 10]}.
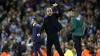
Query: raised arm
{"type": "Point", "coordinates": [57, 10]}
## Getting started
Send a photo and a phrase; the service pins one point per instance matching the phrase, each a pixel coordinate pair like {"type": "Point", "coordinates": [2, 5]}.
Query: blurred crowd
{"type": "Point", "coordinates": [15, 28]}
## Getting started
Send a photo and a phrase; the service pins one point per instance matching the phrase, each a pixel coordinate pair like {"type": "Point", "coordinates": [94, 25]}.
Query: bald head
{"type": "Point", "coordinates": [49, 11]}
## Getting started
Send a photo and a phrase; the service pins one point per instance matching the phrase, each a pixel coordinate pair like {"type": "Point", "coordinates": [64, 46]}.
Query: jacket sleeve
{"type": "Point", "coordinates": [57, 11]}
{"type": "Point", "coordinates": [42, 28]}
{"type": "Point", "coordinates": [73, 24]}
{"type": "Point", "coordinates": [38, 28]}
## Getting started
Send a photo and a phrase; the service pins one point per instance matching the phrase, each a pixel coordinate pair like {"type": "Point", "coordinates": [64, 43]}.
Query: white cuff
{"type": "Point", "coordinates": [38, 34]}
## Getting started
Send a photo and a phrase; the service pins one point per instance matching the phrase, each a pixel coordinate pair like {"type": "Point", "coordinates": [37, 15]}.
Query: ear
{"type": "Point", "coordinates": [32, 21]}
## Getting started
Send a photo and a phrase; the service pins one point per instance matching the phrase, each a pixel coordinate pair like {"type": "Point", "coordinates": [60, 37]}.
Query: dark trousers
{"type": "Point", "coordinates": [53, 40]}
{"type": "Point", "coordinates": [77, 44]}
{"type": "Point", "coordinates": [36, 49]}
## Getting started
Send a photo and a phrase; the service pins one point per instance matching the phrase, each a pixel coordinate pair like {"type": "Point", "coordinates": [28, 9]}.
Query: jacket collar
{"type": "Point", "coordinates": [34, 24]}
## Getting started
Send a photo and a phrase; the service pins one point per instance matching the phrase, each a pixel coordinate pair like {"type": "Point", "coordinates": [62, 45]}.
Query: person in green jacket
{"type": "Point", "coordinates": [77, 31]}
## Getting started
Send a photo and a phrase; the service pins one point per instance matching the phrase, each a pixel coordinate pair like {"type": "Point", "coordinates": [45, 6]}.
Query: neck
{"type": "Point", "coordinates": [34, 23]}
{"type": "Point", "coordinates": [49, 14]}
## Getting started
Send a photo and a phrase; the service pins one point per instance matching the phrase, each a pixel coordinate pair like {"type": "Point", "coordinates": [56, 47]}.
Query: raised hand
{"type": "Point", "coordinates": [55, 4]}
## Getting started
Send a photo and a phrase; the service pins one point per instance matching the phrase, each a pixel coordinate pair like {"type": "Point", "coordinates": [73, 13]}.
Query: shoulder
{"type": "Point", "coordinates": [54, 13]}
{"type": "Point", "coordinates": [73, 18]}
{"type": "Point", "coordinates": [83, 51]}
{"type": "Point", "coordinates": [37, 25]}
{"type": "Point", "coordinates": [98, 50]}
{"type": "Point", "coordinates": [69, 51]}
{"type": "Point", "coordinates": [45, 18]}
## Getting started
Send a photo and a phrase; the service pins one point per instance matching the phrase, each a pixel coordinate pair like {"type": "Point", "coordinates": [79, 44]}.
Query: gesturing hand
{"type": "Point", "coordinates": [38, 35]}
{"type": "Point", "coordinates": [55, 4]}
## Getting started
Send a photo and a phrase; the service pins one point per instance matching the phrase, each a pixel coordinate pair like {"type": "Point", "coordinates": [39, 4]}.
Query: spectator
{"type": "Point", "coordinates": [86, 51]}
{"type": "Point", "coordinates": [55, 53]}
{"type": "Point", "coordinates": [5, 50]}
{"type": "Point", "coordinates": [43, 52]}
{"type": "Point", "coordinates": [69, 51]}
{"type": "Point", "coordinates": [98, 51]}
{"type": "Point", "coordinates": [21, 48]}
{"type": "Point", "coordinates": [29, 43]}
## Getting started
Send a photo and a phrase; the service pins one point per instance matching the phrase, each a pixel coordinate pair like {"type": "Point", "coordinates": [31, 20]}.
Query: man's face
{"type": "Point", "coordinates": [49, 11]}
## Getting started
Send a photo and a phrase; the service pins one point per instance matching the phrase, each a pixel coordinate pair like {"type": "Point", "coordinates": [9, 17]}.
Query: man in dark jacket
{"type": "Point", "coordinates": [35, 38]}
{"type": "Point", "coordinates": [52, 27]}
